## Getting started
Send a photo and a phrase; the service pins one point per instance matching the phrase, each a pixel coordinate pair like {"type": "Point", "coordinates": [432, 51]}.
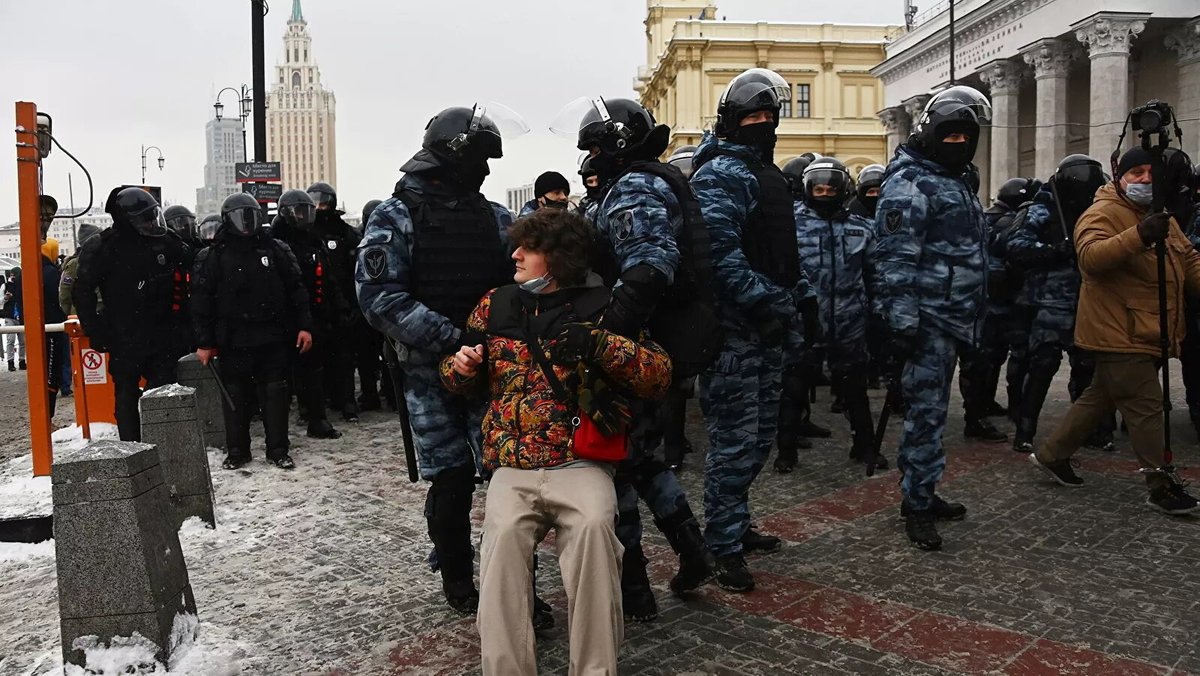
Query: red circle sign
{"type": "Point", "coordinates": [92, 359]}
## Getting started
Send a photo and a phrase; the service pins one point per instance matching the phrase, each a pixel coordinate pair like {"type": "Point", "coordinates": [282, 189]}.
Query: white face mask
{"type": "Point", "coordinates": [1141, 194]}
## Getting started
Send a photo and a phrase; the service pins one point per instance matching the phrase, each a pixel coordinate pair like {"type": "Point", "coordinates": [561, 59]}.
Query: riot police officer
{"type": "Point", "coordinates": [370, 350]}
{"type": "Point", "coordinates": [1042, 245]}
{"type": "Point", "coordinates": [931, 264]}
{"type": "Point", "coordinates": [249, 311]}
{"type": "Point", "coordinates": [206, 229]}
{"type": "Point", "coordinates": [592, 189]}
{"type": "Point", "coordinates": [748, 209]}
{"type": "Point", "coordinates": [835, 252]}
{"type": "Point", "coordinates": [182, 222]}
{"type": "Point", "coordinates": [139, 268]}
{"type": "Point", "coordinates": [651, 231]}
{"type": "Point", "coordinates": [429, 254]}
{"type": "Point", "coordinates": [341, 243]}
{"type": "Point", "coordinates": [326, 304]}
{"type": "Point", "coordinates": [866, 193]}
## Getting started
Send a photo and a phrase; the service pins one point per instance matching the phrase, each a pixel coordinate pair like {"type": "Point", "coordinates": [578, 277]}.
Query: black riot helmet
{"type": "Point", "coordinates": [682, 159]}
{"type": "Point", "coordinates": [870, 178]}
{"type": "Point", "coordinates": [826, 171]}
{"type": "Point", "coordinates": [241, 215]}
{"type": "Point", "coordinates": [1075, 183]}
{"type": "Point", "coordinates": [754, 90]}
{"type": "Point", "coordinates": [206, 230]}
{"type": "Point", "coordinates": [1016, 191]}
{"type": "Point", "coordinates": [456, 138]}
{"type": "Point", "coordinates": [138, 210]}
{"type": "Point", "coordinates": [323, 195]}
{"type": "Point", "coordinates": [298, 209]}
{"type": "Point", "coordinates": [622, 128]}
{"type": "Point", "coordinates": [180, 219]}
{"type": "Point", "coordinates": [368, 209]}
{"type": "Point", "coordinates": [959, 109]}
{"type": "Point", "coordinates": [793, 171]}
{"type": "Point", "coordinates": [586, 169]}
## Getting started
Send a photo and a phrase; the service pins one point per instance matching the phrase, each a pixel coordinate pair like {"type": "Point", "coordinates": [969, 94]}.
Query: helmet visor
{"type": "Point", "coordinates": [320, 197]}
{"type": "Point", "coordinates": [834, 178]}
{"type": "Point", "coordinates": [208, 229]}
{"type": "Point", "coordinates": [490, 123]}
{"type": "Point", "coordinates": [184, 226]}
{"type": "Point", "coordinates": [149, 222]}
{"type": "Point", "coordinates": [568, 122]}
{"type": "Point", "coordinates": [955, 101]}
{"type": "Point", "coordinates": [757, 87]}
{"type": "Point", "coordinates": [301, 215]}
{"type": "Point", "coordinates": [1087, 177]}
{"type": "Point", "coordinates": [245, 221]}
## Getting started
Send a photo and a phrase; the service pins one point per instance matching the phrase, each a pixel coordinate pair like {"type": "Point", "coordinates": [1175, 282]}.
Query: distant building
{"type": "Point", "coordinates": [515, 198]}
{"type": "Point", "coordinates": [224, 147]}
{"type": "Point", "coordinates": [300, 113]}
{"type": "Point", "coordinates": [691, 56]}
{"type": "Point", "coordinates": [61, 229]}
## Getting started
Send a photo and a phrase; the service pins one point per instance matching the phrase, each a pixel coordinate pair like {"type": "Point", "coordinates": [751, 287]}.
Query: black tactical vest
{"type": "Point", "coordinates": [457, 254]}
{"type": "Point", "coordinates": [769, 235]}
{"type": "Point", "coordinates": [251, 290]}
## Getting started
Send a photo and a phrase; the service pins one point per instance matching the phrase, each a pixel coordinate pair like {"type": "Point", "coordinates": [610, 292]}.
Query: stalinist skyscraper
{"type": "Point", "coordinates": [300, 112]}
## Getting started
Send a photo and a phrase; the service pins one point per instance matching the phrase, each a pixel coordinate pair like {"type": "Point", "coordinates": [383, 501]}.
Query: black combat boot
{"type": "Point", "coordinates": [786, 459]}
{"type": "Point", "coordinates": [734, 575]}
{"type": "Point", "coordinates": [941, 509]}
{"type": "Point", "coordinates": [753, 541]}
{"type": "Point", "coordinates": [696, 562]}
{"type": "Point", "coordinates": [921, 529]}
{"type": "Point", "coordinates": [448, 515]}
{"type": "Point", "coordinates": [637, 598]}
{"type": "Point", "coordinates": [984, 430]}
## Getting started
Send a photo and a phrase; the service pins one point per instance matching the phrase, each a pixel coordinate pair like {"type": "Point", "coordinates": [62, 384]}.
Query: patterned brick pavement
{"type": "Point", "coordinates": [322, 571]}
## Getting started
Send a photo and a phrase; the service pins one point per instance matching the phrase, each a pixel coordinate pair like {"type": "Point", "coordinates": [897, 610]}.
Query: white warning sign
{"type": "Point", "coordinates": [95, 367]}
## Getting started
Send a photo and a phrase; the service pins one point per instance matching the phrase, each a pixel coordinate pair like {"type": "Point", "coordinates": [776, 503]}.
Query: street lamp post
{"type": "Point", "coordinates": [244, 103]}
{"type": "Point", "coordinates": [161, 160]}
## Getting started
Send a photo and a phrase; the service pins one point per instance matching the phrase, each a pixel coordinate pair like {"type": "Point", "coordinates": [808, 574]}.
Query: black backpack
{"type": "Point", "coordinates": [685, 322]}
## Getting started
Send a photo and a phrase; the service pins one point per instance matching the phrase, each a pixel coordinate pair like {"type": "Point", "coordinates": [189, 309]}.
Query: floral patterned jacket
{"type": "Point", "coordinates": [526, 426]}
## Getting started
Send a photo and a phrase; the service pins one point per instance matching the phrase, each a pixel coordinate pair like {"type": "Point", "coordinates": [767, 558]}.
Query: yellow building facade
{"type": "Point", "coordinates": [692, 56]}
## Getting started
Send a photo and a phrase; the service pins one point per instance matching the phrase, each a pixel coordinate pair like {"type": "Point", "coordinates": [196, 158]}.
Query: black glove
{"type": "Point", "coordinates": [1153, 228]}
{"type": "Point", "coordinates": [810, 311]}
{"type": "Point", "coordinates": [98, 339]}
{"type": "Point", "coordinates": [577, 342]}
{"type": "Point", "coordinates": [1065, 249]}
{"type": "Point", "coordinates": [771, 331]}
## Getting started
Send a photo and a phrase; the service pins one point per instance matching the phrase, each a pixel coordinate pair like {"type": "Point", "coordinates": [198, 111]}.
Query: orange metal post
{"type": "Point", "coordinates": [34, 316]}
{"type": "Point", "coordinates": [75, 335]}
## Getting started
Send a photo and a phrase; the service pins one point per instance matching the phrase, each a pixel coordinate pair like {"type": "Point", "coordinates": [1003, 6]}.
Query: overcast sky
{"type": "Point", "coordinates": [114, 79]}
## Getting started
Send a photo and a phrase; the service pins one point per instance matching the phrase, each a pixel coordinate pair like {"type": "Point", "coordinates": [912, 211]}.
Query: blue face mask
{"type": "Point", "coordinates": [537, 284]}
{"type": "Point", "coordinates": [1141, 194]}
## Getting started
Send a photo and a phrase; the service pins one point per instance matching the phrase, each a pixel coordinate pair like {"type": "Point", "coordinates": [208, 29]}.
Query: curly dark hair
{"type": "Point", "coordinates": [563, 237]}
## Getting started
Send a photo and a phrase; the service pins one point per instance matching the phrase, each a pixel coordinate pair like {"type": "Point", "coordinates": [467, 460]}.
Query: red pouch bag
{"type": "Point", "coordinates": [589, 443]}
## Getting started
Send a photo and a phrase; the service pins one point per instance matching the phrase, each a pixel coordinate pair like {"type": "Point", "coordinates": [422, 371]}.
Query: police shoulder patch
{"type": "Point", "coordinates": [375, 262]}
{"type": "Point", "coordinates": [892, 220]}
{"type": "Point", "coordinates": [622, 225]}
{"type": "Point", "coordinates": [162, 259]}
{"type": "Point", "coordinates": [266, 261]}
{"type": "Point", "coordinates": [332, 244]}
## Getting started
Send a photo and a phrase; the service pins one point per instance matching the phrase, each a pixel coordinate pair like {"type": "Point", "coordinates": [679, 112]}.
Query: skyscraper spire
{"type": "Point", "coordinates": [297, 15]}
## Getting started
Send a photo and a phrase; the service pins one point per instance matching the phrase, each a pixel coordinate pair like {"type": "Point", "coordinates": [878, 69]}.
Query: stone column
{"type": "Point", "coordinates": [1004, 79]}
{"type": "Point", "coordinates": [1185, 41]}
{"type": "Point", "coordinates": [1051, 61]}
{"type": "Point", "coordinates": [120, 567]}
{"type": "Point", "coordinates": [171, 421]}
{"type": "Point", "coordinates": [914, 106]}
{"type": "Point", "coordinates": [1107, 36]}
{"type": "Point", "coordinates": [190, 372]}
{"type": "Point", "coordinates": [896, 123]}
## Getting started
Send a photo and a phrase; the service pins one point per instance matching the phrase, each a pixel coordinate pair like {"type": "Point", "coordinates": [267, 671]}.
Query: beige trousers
{"type": "Point", "coordinates": [580, 504]}
{"type": "Point", "coordinates": [1123, 382]}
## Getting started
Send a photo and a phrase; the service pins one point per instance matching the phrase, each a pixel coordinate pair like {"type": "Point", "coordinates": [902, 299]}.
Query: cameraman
{"type": "Point", "coordinates": [1118, 319]}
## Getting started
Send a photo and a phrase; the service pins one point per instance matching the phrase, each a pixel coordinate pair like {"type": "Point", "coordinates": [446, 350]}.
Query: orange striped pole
{"type": "Point", "coordinates": [34, 316]}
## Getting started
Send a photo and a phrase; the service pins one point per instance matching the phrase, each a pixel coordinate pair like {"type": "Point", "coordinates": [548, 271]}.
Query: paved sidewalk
{"type": "Point", "coordinates": [322, 571]}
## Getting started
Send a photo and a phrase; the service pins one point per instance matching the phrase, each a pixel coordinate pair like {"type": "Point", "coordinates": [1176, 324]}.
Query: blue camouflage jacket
{"type": "Point", "coordinates": [836, 255]}
{"type": "Point", "coordinates": [728, 194]}
{"type": "Point", "coordinates": [528, 208]}
{"type": "Point", "coordinates": [386, 299]}
{"type": "Point", "coordinates": [640, 217]}
{"type": "Point", "coordinates": [1051, 278]}
{"type": "Point", "coordinates": [931, 258]}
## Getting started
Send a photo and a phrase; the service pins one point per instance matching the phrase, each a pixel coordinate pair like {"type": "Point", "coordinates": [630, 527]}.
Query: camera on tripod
{"type": "Point", "coordinates": [1152, 118]}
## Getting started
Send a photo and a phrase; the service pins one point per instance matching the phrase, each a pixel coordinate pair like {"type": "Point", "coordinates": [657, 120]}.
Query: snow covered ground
{"type": "Point", "coordinates": [317, 570]}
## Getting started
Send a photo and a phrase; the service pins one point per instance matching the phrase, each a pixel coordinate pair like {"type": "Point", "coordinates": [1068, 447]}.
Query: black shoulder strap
{"type": "Point", "coordinates": [539, 355]}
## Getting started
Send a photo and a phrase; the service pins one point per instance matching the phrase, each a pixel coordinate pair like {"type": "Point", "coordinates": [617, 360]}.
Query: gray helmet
{"type": "Point", "coordinates": [207, 229]}
{"type": "Point", "coordinates": [180, 219]}
{"type": "Point", "coordinates": [682, 158]}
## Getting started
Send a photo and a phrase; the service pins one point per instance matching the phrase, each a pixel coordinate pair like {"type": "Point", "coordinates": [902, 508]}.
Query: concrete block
{"type": "Point", "coordinates": [120, 566]}
{"type": "Point", "coordinates": [192, 373]}
{"type": "Point", "coordinates": [170, 421]}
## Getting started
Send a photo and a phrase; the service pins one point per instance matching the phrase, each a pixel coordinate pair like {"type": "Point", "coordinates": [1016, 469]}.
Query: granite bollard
{"type": "Point", "coordinates": [171, 421]}
{"type": "Point", "coordinates": [120, 566]}
{"type": "Point", "coordinates": [189, 371]}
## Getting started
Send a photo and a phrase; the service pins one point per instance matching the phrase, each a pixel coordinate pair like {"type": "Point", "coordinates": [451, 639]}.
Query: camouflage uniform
{"type": "Point", "coordinates": [931, 263]}
{"type": "Point", "coordinates": [739, 393]}
{"type": "Point", "coordinates": [528, 208]}
{"type": "Point", "coordinates": [1040, 245]}
{"type": "Point", "coordinates": [446, 428]}
{"type": "Point", "coordinates": [640, 217]}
